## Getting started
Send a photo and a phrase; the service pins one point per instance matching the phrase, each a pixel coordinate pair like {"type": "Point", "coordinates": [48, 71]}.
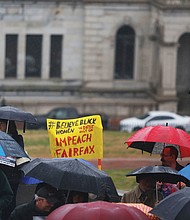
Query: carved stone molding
{"type": "Point", "coordinates": [174, 4]}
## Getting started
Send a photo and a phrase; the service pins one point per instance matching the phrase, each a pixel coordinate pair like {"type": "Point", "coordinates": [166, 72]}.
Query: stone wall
{"type": "Point", "coordinates": [89, 29]}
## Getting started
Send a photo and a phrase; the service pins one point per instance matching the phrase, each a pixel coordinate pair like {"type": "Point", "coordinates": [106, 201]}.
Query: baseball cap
{"type": "Point", "coordinates": [49, 193]}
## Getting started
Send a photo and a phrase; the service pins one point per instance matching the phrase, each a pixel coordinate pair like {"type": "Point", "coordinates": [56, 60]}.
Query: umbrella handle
{"type": "Point", "coordinates": [24, 127]}
{"type": "Point", "coordinates": [156, 193]}
{"type": "Point", "coordinates": [67, 198]}
{"type": "Point", "coordinates": [179, 185]}
{"type": "Point", "coordinates": [7, 128]}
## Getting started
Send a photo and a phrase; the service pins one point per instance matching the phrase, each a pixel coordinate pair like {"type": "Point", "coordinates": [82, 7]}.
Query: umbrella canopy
{"type": "Point", "coordinates": [147, 138]}
{"type": "Point", "coordinates": [10, 148]}
{"type": "Point", "coordinates": [159, 173]}
{"type": "Point", "coordinates": [175, 206]}
{"type": "Point", "coordinates": [96, 211]}
{"type": "Point", "coordinates": [72, 174]}
{"type": "Point", "coordinates": [185, 172]}
{"type": "Point", "coordinates": [16, 114]}
{"type": "Point", "coordinates": [144, 208]}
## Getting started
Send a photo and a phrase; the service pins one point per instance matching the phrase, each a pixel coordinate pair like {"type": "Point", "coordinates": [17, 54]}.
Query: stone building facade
{"type": "Point", "coordinates": [121, 57]}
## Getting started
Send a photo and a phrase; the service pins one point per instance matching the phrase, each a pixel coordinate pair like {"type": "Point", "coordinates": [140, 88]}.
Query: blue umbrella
{"type": "Point", "coordinates": [9, 147]}
{"type": "Point", "coordinates": [185, 171]}
{"type": "Point", "coordinates": [29, 180]}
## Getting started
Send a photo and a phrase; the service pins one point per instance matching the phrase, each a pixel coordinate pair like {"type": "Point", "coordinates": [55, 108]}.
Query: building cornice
{"type": "Point", "coordinates": [117, 1]}
{"type": "Point", "coordinates": [171, 4]}
{"type": "Point", "coordinates": [162, 4]}
{"type": "Point", "coordinates": [80, 1]}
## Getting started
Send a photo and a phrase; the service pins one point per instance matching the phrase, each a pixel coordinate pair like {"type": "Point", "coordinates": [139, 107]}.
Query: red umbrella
{"type": "Point", "coordinates": [98, 210]}
{"type": "Point", "coordinates": [147, 138]}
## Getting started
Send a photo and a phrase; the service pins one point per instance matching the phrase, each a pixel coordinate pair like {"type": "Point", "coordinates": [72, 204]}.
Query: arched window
{"type": "Point", "coordinates": [183, 73]}
{"type": "Point", "coordinates": [183, 64]}
{"type": "Point", "coordinates": [124, 53]}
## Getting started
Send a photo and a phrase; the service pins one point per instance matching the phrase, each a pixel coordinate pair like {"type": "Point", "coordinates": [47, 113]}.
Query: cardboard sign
{"type": "Point", "coordinates": [76, 138]}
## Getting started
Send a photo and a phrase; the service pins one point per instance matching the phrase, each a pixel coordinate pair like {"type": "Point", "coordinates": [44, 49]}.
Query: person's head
{"type": "Point", "coordinates": [78, 197]}
{"type": "Point", "coordinates": [46, 198]}
{"type": "Point", "coordinates": [3, 125]}
{"type": "Point", "coordinates": [146, 182]}
{"type": "Point", "coordinates": [169, 156]}
{"type": "Point", "coordinates": [12, 129]}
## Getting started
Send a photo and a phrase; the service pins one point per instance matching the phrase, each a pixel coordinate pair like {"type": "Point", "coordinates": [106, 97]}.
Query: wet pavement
{"type": "Point", "coordinates": [132, 163]}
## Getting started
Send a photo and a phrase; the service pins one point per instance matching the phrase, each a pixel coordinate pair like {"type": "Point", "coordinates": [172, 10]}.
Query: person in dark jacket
{"type": "Point", "coordinates": [12, 173]}
{"type": "Point", "coordinates": [45, 199]}
{"type": "Point", "coordinates": [6, 193]}
{"type": "Point", "coordinates": [9, 127]}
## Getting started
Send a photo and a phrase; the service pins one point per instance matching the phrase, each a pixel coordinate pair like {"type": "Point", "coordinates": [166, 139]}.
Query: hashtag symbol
{"type": "Point", "coordinates": [51, 125]}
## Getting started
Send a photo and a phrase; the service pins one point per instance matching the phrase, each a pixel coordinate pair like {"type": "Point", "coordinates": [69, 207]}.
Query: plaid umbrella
{"type": "Point", "coordinates": [144, 208]}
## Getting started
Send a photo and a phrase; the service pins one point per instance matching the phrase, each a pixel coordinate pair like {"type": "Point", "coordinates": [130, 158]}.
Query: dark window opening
{"type": "Point", "coordinates": [33, 55]}
{"type": "Point", "coordinates": [124, 55]}
{"type": "Point", "coordinates": [56, 56]}
{"type": "Point", "coordinates": [11, 55]}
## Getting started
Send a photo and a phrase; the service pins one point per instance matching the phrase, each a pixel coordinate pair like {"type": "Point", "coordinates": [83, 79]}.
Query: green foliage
{"type": "Point", "coordinates": [120, 180]}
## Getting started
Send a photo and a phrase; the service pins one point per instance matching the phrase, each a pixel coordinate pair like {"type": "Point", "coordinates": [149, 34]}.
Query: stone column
{"type": "Point", "coordinates": [168, 64]}
{"type": "Point", "coordinates": [45, 57]}
{"type": "Point", "coordinates": [2, 60]}
{"type": "Point", "coordinates": [167, 89]}
{"type": "Point", "coordinates": [21, 56]}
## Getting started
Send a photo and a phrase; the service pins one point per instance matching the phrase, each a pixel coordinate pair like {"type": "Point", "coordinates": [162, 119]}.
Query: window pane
{"type": "Point", "coordinates": [11, 55]}
{"type": "Point", "coordinates": [55, 56]}
{"type": "Point", "coordinates": [33, 55]}
{"type": "Point", "coordinates": [124, 55]}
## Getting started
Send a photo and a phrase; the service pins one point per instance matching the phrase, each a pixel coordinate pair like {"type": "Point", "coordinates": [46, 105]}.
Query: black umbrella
{"type": "Point", "coordinates": [160, 173]}
{"type": "Point", "coordinates": [72, 174]}
{"type": "Point", "coordinates": [10, 148]}
{"type": "Point", "coordinates": [16, 114]}
{"type": "Point", "coordinates": [175, 206]}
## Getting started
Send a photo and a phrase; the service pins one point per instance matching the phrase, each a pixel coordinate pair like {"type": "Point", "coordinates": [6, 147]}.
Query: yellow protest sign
{"type": "Point", "coordinates": [76, 138]}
